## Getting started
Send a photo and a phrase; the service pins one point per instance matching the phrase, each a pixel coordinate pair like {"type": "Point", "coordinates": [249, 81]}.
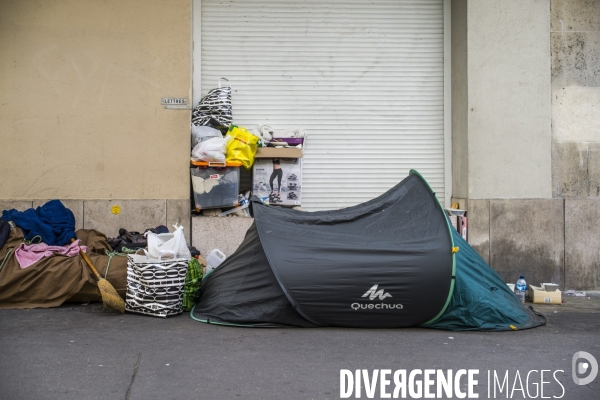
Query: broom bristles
{"type": "Point", "coordinates": [110, 297]}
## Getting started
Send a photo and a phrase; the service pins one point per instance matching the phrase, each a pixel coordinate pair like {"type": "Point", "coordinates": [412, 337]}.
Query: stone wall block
{"type": "Point", "coordinates": [574, 15]}
{"type": "Point", "coordinates": [576, 114]}
{"type": "Point", "coordinates": [107, 216]}
{"type": "Point", "coordinates": [575, 58]}
{"type": "Point", "coordinates": [582, 249]}
{"type": "Point", "coordinates": [594, 170]}
{"type": "Point", "coordinates": [527, 238]}
{"type": "Point", "coordinates": [76, 206]}
{"type": "Point", "coordinates": [569, 169]}
{"type": "Point", "coordinates": [20, 205]}
{"type": "Point", "coordinates": [178, 212]}
{"type": "Point", "coordinates": [223, 233]}
{"type": "Point", "coordinates": [479, 227]}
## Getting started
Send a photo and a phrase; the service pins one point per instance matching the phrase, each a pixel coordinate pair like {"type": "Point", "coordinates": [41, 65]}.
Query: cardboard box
{"type": "Point", "coordinates": [289, 141]}
{"type": "Point", "coordinates": [539, 296]}
{"type": "Point", "coordinates": [278, 152]}
{"type": "Point", "coordinates": [265, 181]}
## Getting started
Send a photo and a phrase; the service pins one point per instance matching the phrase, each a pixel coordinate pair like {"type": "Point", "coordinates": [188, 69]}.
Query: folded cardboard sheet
{"type": "Point", "coordinates": [277, 152]}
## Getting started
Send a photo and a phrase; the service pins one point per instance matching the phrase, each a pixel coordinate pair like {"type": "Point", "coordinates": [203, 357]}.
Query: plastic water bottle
{"type": "Point", "coordinates": [242, 200]}
{"type": "Point", "coordinates": [243, 203]}
{"type": "Point", "coordinates": [520, 288]}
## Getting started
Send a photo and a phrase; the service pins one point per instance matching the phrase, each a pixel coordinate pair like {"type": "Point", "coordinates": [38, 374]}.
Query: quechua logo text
{"type": "Point", "coordinates": [374, 294]}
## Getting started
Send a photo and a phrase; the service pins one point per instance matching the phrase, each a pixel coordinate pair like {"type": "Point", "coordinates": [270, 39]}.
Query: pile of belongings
{"type": "Point", "coordinates": [40, 265]}
{"type": "Point", "coordinates": [129, 242]}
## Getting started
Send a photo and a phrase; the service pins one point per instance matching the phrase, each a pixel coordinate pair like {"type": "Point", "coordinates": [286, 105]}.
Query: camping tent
{"type": "Point", "coordinates": [394, 261]}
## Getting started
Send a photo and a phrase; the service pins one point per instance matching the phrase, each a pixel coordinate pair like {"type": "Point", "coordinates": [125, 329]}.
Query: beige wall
{"type": "Point", "coordinates": [80, 89]}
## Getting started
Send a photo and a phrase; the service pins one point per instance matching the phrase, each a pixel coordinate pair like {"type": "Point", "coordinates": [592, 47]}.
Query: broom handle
{"type": "Point", "coordinates": [87, 260]}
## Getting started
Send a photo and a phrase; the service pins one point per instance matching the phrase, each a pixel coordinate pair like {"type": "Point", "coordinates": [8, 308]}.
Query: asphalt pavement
{"type": "Point", "coordinates": [81, 352]}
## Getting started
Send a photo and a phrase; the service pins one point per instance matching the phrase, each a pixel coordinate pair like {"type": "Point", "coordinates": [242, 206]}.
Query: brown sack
{"type": "Point", "coordinates": [53, 280]}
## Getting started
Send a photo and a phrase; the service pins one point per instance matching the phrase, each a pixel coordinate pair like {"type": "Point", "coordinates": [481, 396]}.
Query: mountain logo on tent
{"type": "Point", "coordinates": [374, 293]}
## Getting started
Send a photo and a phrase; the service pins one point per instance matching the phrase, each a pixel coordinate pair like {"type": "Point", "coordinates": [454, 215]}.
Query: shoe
{"type": "Point", "coordinates": [292, 177]}
{"type": "Point", "coordinates": [292, 196]}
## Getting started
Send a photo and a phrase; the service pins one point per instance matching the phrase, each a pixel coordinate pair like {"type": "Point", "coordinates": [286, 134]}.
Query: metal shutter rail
{"type": "Point", "coordinates": [365, 79]}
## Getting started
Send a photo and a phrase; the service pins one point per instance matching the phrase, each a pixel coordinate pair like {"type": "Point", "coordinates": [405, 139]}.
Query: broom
{"type": "Point", "coordinates": [110, 297]}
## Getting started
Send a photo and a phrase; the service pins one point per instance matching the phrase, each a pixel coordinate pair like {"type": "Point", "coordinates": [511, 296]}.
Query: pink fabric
{"type": "Point", "coordinates": [28, 254]}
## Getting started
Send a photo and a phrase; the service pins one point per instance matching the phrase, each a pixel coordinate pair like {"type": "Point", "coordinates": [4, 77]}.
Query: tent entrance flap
{"type": "Point", "coordinates": [244, 291]}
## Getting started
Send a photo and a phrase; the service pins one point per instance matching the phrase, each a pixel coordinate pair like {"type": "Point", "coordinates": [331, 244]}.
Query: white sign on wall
{"type": "Point", "coordinates": [177, 103]}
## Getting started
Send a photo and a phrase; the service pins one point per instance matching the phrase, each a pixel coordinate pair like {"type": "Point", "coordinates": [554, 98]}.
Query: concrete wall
{"type": "Point", "coordinates": [509, 132]}
{"type": "Point", "coordinates": [544, 239]}
{"type": "Point", "coordinates": [223, 233]}
{"type": "Point", "coordinates": [81, 83]}
{"type": "Point", "coordinates": [575, 41]}
{"type": "Point", "coordinates": [460, 114]}
{"type": "Point", "coordinates": [529, 63]}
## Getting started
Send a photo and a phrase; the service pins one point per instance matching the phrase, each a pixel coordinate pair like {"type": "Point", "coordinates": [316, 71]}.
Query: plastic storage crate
{"type": "Point", "coordinates": [215, 187]}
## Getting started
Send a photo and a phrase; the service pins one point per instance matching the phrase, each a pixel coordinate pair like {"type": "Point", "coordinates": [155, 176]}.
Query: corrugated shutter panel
{"type": "Point", "coordinates": [364, 78]}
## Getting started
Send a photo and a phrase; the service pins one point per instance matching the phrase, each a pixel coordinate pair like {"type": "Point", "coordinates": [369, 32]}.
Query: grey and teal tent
{"type": "Point", "coordinates": [392, 262]}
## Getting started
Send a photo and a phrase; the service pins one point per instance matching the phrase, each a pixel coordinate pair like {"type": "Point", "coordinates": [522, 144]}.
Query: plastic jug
{"type": "Point", "coordinates": [214, 259]}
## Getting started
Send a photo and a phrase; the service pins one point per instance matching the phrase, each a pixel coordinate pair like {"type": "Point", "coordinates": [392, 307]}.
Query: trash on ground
{"type": "Point", "coordinates": [575, 293]}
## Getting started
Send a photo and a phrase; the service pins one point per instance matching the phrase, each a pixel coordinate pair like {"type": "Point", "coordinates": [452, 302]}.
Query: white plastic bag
{"type": "Point", "coordinates": [168, 245]}
{"type": "Point", "coordinates": [264, 132]}
{"type": "Point", "coordinates": [211, 150]}
{"type": "Point", "coordinates": [203, 133]}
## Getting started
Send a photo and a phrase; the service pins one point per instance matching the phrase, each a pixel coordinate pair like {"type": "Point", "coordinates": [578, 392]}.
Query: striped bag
{"type": "Point", "coordinates": [154, 285]}
{"type": "Point", "coordinates": [214, 109]}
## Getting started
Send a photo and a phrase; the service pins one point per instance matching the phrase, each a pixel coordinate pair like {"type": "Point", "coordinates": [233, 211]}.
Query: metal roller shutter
{"type": "Point", "coordinates": [364, 78]}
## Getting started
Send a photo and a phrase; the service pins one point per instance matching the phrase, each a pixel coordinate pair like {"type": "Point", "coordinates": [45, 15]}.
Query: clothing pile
{"type": "Point", "coordinates": [52, 223]}
{"type": "Point", "coordinates": [129, 242]}
{"type": "Point", "coordinates": [40, 265]}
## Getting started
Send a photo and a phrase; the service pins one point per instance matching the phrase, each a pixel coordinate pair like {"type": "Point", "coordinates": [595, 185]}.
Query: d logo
{"type": "Point", "coordinates": [584, 367]}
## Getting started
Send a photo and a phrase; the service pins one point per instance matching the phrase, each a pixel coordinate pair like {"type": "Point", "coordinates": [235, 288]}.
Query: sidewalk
{"type": "Point", "coordinates": [80, 352]}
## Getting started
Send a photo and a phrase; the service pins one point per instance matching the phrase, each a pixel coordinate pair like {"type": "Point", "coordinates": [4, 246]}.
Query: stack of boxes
{"type": "Point", "coordinates": [277, 178]}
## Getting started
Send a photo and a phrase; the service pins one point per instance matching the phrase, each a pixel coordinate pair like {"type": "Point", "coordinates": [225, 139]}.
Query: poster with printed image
{"type": "Point", "coordinates": [278, 181]}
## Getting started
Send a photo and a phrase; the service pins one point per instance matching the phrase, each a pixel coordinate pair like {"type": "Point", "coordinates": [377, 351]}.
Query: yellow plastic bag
{"type": "Point", "coordinates": [241, 146]}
